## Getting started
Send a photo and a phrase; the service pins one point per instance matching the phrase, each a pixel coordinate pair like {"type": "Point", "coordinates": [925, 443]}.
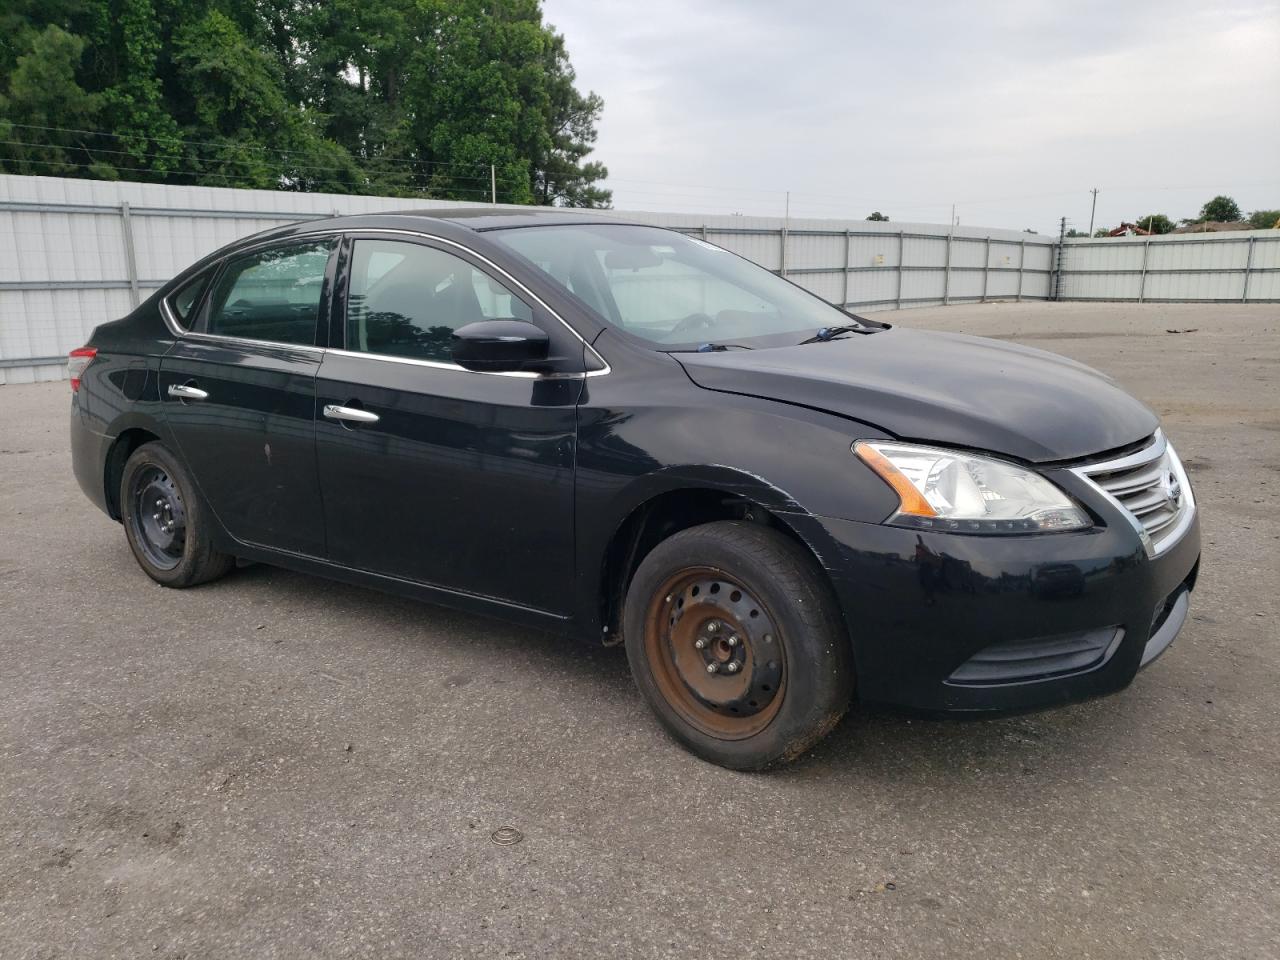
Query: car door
{"type": "Point", "coordinates": [238, 393]}
{"type": "Point", "coordinates": [448, 477]}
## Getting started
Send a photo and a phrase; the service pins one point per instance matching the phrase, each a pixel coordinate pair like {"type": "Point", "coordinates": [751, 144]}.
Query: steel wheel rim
{"type": "Point", "coordinates": [158, 517]}
{"type": "Point", "coordinates": [702, 616]}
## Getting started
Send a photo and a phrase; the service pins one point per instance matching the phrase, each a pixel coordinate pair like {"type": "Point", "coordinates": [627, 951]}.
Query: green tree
{"type": "Point", "coordinates": [1155, 223]}
{"type": "Point", "coordinates": [42, 93]}
{"type": "Point", "coordinates": [146, 132]}
{"type": "Point", "coordinates": [1265, 219]}
{"type": "Point", "coordinates": [405, 97]}
{"type": "Point", "coordinates": [561, 175]}
{"type": "Point", "coordinates": [878, 216]}
{"type": "Point", "coordinates": [247, 131]}
{"type": "Point", "coordinates": [1220, 209]}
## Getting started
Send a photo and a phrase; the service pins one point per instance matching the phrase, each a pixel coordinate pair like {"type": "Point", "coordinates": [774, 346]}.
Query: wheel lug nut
{"type": "Point", "coordinates": [733, 641]}
{"type": "Point", "coordinates": [700, 643]}
{"type": "Point", "coordinates": [732, 667]}
{"type": "Point", "coordinates": [155, 516]}
{"type": "Point", "coordinates": [713, 626]}
{"type": "Point", "coordinates": [711, 668]}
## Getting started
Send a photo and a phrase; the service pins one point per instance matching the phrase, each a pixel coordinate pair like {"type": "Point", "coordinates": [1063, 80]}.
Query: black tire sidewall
{"type": "Point", "coordinates": [815, 644]}
{"type": "Point", "coordinates": [200, 562]}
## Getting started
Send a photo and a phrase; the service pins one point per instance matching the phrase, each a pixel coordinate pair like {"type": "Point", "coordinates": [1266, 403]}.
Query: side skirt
{"type": "Point", "coordinates": [440, 596]}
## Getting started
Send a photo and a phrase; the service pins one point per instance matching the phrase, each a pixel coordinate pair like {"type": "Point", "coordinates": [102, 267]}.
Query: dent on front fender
{"type": "Point", "coordinates": [632, 450]}
{"type": "Point", "coordinates": [785, 457]}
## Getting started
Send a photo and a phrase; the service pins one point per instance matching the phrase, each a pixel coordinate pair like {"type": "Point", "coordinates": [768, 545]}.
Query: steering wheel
{"type": "Point", "coordinates": [692, 322]}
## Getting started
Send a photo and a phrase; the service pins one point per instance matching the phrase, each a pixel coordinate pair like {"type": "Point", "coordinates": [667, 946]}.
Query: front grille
{"type": "Point", "coordinates": [1151, 487]}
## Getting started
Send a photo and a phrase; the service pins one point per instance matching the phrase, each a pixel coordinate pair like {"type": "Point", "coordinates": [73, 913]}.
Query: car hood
{"type": "Point", "coordinates": [943, 388]}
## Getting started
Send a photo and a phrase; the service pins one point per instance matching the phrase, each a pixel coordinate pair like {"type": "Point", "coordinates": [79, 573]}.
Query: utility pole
{"type": "Point", "coordinates": [953, 214]}
{"type": "Point", "coordinates": [786, 228]}
{"type": "Point", "coordinates": [1056, 286]}
{"type": "Point", "coordinates": [1094, 191]}
{"type": "Point", "coordinates": [493, 184]}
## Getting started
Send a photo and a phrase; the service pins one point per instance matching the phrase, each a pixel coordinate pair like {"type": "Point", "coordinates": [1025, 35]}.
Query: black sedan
{"type": "Point", "coordinates": [622, 432]}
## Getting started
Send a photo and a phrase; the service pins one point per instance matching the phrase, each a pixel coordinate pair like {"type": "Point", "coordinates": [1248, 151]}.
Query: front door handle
{"type": "Point", "coordinates": [186, 392]}
{"type": "Point", "coordinates": [352, 414]}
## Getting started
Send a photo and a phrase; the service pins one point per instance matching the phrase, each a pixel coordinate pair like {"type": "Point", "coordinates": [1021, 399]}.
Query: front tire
{"type": "Point", "coordinates": [167, 524]}
{"type": "Point", "coordinates": [736, 642]}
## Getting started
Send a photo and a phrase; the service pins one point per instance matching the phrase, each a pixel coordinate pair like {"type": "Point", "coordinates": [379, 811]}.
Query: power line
{"type": "Point", "coordinates": [658, 192]}
{"type": "Point", "coordinates": [231, 144]}
{"type": "Point", "coordinates": [482, 192]}
{"type": "Point", "coordinates": [808, 199]}
{"type": "Point", "coordinates": [127, 153]}
{"type": "Point", "coordinates": [827, 197]}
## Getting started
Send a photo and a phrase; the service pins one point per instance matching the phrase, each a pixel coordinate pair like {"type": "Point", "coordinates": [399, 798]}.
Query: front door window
{"type": "Point", "coordinates": [406, 299]}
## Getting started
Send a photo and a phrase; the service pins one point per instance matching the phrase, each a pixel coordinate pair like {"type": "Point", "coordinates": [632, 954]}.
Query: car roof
{"type": "Point", "coordinates": [449, 222]}
{"type": "Point", "coordinates": [454, 223]}
{"type": "Point", "coordinates": [502, 218]}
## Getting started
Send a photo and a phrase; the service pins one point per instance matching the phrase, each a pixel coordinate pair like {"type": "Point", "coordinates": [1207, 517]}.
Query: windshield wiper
{"type": "Point", "coordinates": [830, 333]}
{"type": "Point", "coordinates": [711, 348]}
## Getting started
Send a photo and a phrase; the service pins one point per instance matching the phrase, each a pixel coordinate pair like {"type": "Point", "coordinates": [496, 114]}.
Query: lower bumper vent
{"type": "Point", "coordinates": [1038, 659]}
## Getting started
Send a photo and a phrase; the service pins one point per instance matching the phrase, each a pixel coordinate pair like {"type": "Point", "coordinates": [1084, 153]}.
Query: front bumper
{"type": "Point", "coordinates": [952, 623]}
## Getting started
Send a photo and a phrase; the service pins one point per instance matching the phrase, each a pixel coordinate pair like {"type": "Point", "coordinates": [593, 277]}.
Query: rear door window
{"type": "Point", "coordinates": [271, 294]}
{"type": "Point", "coordinates": [183, 302]}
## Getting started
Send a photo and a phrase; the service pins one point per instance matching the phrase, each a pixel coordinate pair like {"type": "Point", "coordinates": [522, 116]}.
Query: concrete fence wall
{"type": "Point", "coordinates": [76, 253]}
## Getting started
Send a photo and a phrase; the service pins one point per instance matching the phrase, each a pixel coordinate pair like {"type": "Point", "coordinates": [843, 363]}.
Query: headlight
{"type": "Point", "coordinates": [959, 492]}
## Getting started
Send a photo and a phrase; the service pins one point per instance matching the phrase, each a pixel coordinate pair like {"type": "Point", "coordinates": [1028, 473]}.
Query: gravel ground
{"type": "Point", "coordinates": [276, 766]}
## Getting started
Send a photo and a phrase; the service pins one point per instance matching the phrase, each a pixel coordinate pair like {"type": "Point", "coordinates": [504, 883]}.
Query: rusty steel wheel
{"type": "Point", "coordinates": [715, 653]}
{"type": "Point", "coordinates": [736, 642]}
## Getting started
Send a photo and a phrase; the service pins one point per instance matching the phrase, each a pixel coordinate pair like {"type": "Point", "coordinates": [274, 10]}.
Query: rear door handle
{"type": "Point", "coordinates": [186, 392]}
{"type": "Point", "coordinates": [352, 414]}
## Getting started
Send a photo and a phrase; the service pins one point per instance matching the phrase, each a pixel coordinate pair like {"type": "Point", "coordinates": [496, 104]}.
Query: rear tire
{"type": "Point", "coordinates": [167, 524]}
{"type": "Point", "coordinates": [736, 642]}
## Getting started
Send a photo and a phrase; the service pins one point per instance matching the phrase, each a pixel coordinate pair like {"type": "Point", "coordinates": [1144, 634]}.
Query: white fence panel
{"type": "Point", "coordinates": [66, 263]}
{"type": "Point", "coordinates": [1217, 267]}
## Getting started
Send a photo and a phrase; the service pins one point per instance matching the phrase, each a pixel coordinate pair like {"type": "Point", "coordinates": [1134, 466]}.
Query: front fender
{"type": "Point", "coordinates": [790, 460]}
{"type": "Point", "coordinates": [731, 480]}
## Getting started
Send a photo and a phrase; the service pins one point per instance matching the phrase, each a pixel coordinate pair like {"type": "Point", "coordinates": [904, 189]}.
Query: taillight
{"type": "Point", "coordinates": [76, 363]}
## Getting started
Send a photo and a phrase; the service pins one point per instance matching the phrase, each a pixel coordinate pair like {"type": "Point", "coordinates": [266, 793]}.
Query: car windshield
{"type": "Point", "coordinates": [673, 291]}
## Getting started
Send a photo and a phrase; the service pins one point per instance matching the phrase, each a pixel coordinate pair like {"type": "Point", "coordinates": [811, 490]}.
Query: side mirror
{"type": "Point", "coordinates": [499, 345]}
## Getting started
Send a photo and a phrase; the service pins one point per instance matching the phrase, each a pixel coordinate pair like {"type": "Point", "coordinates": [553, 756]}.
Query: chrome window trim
{"type": "Point", "coordinates": [177, 330]}
{"type": "Point", "coordinates": [250, 342]}
{"type": "Point", "coordinates": [170, 315]}
{"type": "Point", "coordinates": [1153, 452]}
{"type": "Point", "coordinates": [171, 320]}
{"type": "Point", "coordinates": [440, 365]}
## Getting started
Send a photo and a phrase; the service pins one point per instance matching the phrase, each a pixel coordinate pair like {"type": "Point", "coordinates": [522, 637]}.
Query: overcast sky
{"type": "Point", "coordinates": [1011, 110]}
